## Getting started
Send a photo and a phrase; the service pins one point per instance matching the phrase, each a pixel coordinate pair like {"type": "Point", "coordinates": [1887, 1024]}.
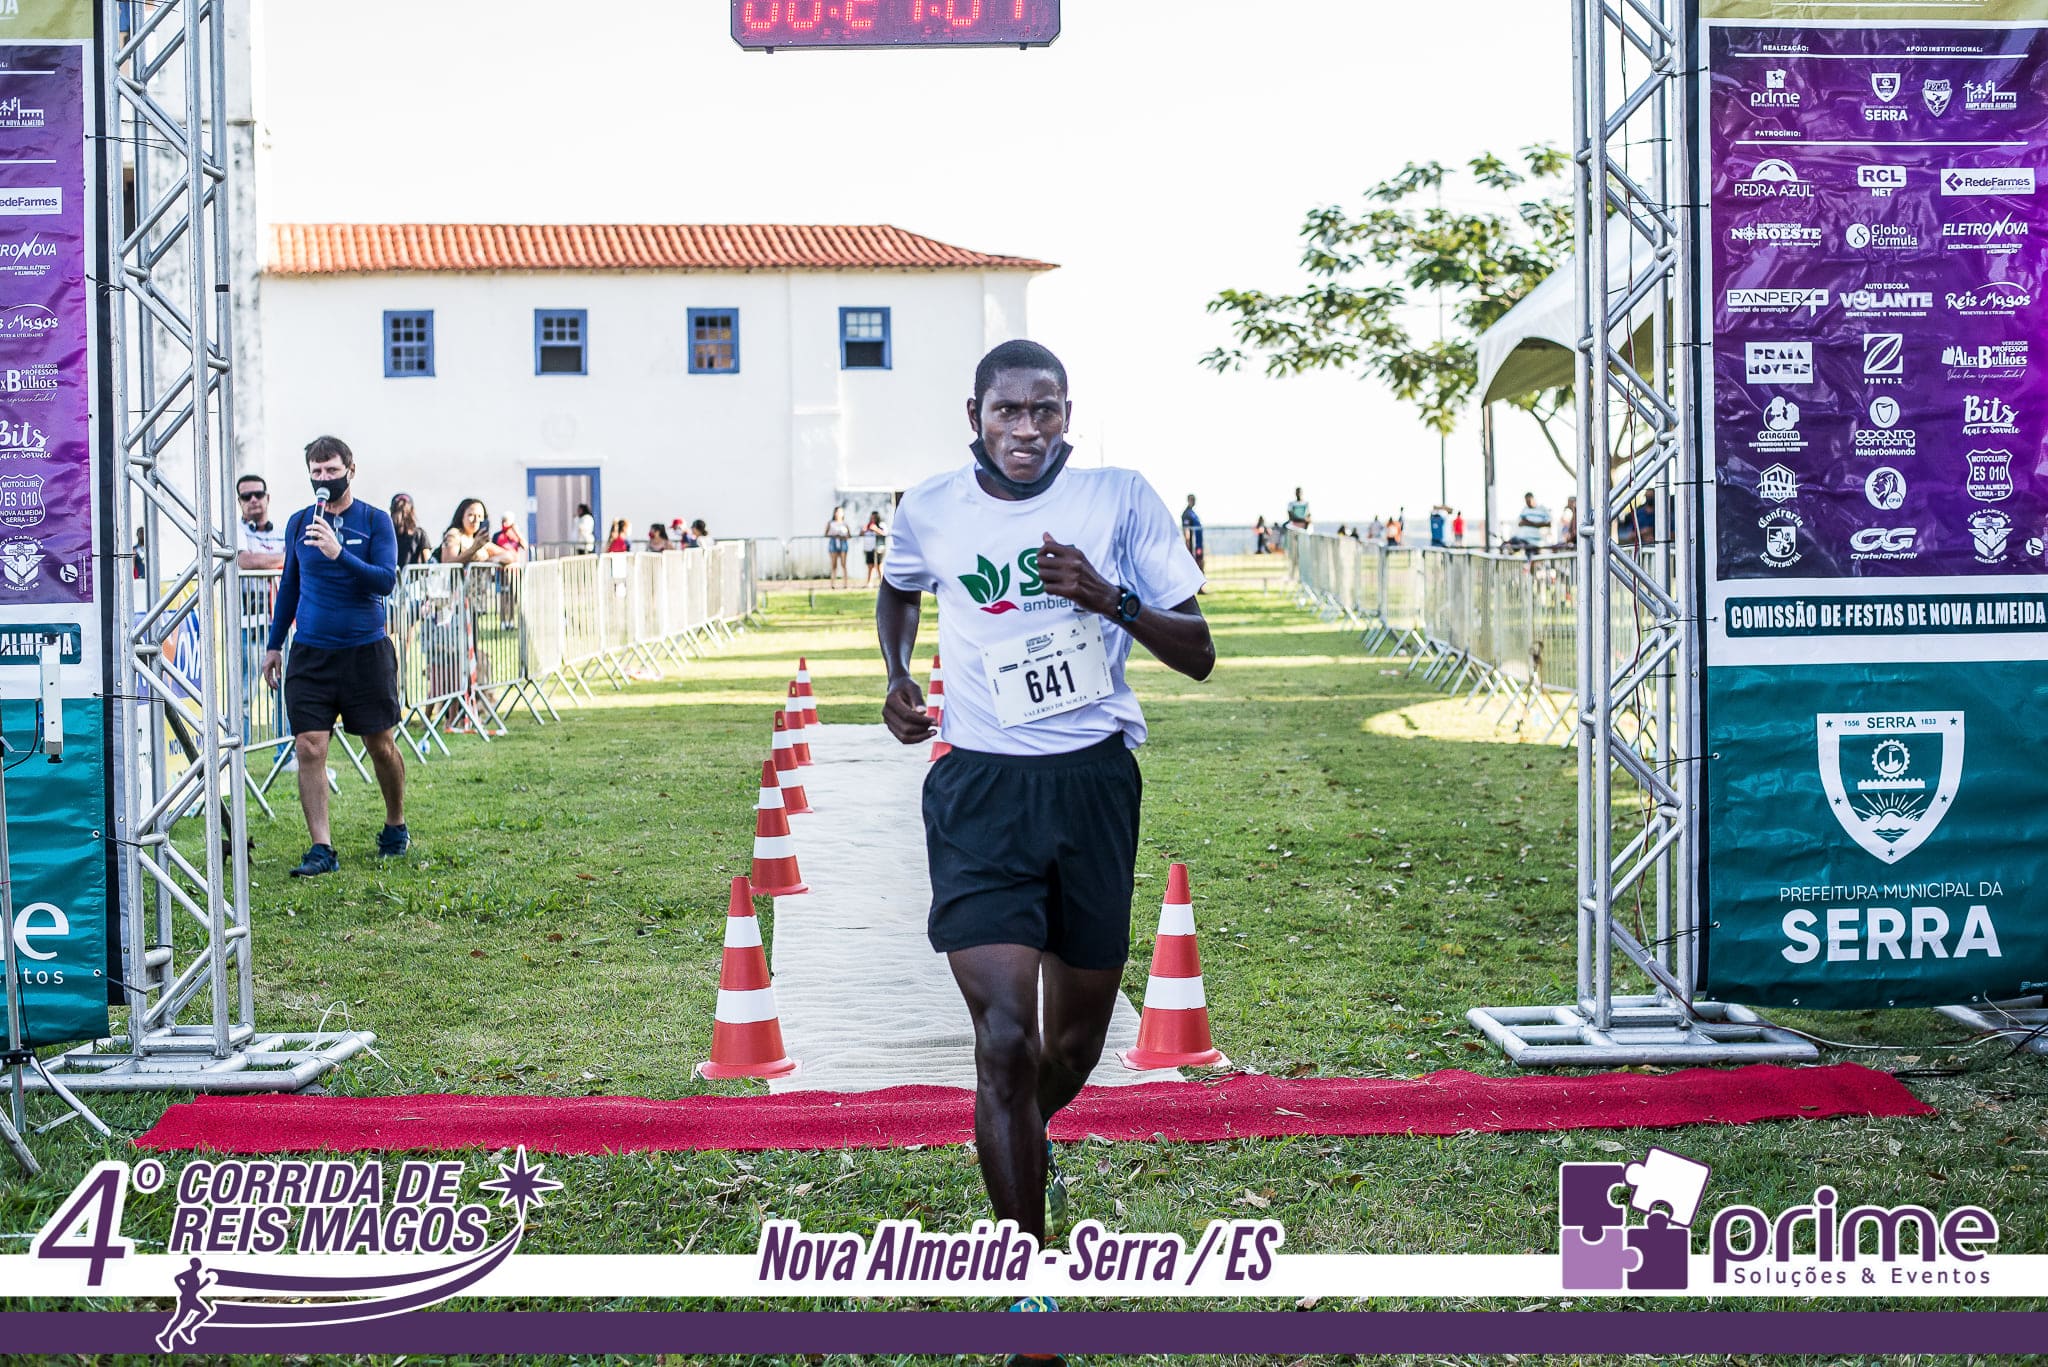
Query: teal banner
{"type": "Point", "coordinates": [57, 847]}
{"type": "Point", "coordinates": [1874, 834]}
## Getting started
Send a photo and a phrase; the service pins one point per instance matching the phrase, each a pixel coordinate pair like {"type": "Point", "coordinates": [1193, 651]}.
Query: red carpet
{"type": "Point", "coordinates": [1235, 1107]}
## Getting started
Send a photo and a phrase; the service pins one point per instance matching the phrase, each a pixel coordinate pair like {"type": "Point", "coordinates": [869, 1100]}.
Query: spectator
{"type": "Point", "coordinates": [1439, 525]}
{"type": "Point", "coordinates": [141, 552]}
{"type": "Point", "coordinates": [1353, 534]}
{"type": "Point", "coordinates": [687, 539]}
{"type": "Point", "coordinates": [1297, 511]}
{"type": "Point", "coordinates": [1192, 537]}
{"type": "Point", "coordinates": [508, 539]}
{"type": "Point", "coordinates": [405, 522]}
{"type": "Point", "coordinates": [838, 540]}
{"type": "Point", "coordinates": [702, 533]}
{"type": "Point", "coordinates": [258, 544]}
{"type": "Point", "coordinates": [1638, 526]}
{"type": "Point", "coordinates": [1376, 530]}
{"type": "Point", "coordinates": [1262, 539]}
{"type": "Point", "coordinates": [1568, 525]}
{"type": "Point", "coordinates": [619, 539]}
{"type": "Point", "coordinates": [657, 538]}
{"type": "Point", "coordinates": [1458, 528]}
{"type": "Point", "coordinates": [1341, 531]}
{"type": "Point", "coordinates": [1532, 526]}
{"type": "Point", "coordinates": [586, 529]}
{"type": "Point", "coordinates": [872, 538]}
{"type": "Point", "coordinates": [1396, 530]}
{"type": "Point", "coordinates": [678, 534]}
{"type": "Point", "coordinates": [465, 542]}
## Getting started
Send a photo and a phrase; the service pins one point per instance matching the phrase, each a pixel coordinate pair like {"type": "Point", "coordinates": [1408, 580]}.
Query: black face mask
{"type": "Point", "coordinates": [1060, 452]}
{"type": "Point", "coordinates": [337, 488]}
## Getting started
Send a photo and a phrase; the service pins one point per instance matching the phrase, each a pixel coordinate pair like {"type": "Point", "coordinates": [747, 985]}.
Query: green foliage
{"type": "Point", "coordinates": [1369, 272]}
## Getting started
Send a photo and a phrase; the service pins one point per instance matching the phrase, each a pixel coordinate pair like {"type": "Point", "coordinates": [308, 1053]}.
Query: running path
{"type": "Point", "coordinates": [864, 1001]}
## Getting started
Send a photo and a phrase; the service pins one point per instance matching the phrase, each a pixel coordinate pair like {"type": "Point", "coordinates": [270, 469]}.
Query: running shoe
{"type": "Point", "coordinates": [1032, 1304]}
{"type": "Point", "coordinates": [393, 841]}
{"type": "Point", "coordinates": [319, 859]}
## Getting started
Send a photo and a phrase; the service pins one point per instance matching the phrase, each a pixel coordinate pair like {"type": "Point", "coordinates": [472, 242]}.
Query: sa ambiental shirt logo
{"type": "Point", "coordinates": [989, 586]}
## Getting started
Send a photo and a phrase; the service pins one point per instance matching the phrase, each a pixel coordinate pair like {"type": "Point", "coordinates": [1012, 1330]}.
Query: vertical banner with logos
{"type": "Point", "coordinates": [51, 516]}
{"type": "Point", "coordinates": [1871, 243]}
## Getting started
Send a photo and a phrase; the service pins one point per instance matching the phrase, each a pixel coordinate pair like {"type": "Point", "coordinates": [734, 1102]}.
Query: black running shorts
{"type": "Point", "coordinates": [1034, 850]}
{"type": "Point", "coordinates": [359, 684]}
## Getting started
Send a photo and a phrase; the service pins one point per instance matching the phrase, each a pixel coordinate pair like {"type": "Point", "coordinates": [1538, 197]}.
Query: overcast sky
{"type": "Point", "coordinates": [1158, 151]}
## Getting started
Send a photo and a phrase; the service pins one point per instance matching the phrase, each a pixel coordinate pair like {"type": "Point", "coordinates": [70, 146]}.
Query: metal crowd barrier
{"type": "Point", "coordinates": [1497, 629]}
{"type": "Point", "coordinates": [476, 643]}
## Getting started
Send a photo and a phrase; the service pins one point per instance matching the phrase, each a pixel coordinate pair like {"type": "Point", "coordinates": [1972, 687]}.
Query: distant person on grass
{"type": "Point", "coordinates": [341, 560]}
{"type": "Point", "coordinates": [1191, 535]}
{"type": "Point", "coordinates": [1297, 511]}
{"type": "Point", "coordinates": [838, 540]}
{"type": "Point", "coordinates": [872, 537]}
{"type": "Point", "coordinates": [1031, 822]}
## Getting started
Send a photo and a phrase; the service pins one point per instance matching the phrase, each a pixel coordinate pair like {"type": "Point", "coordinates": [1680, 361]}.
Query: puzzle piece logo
{"type": "Point", "coordinates": [1601, 1251]}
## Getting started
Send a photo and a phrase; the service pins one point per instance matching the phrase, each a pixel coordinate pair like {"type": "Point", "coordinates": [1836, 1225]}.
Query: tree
{"type": "Point", "coordinates": [1369, 274]}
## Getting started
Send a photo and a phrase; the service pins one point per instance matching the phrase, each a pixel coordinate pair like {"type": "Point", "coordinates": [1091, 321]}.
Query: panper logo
{"type": "Point", "coordinates": [1600, 1251]}
{"type": "Point", "coordinates": [1876, 768]}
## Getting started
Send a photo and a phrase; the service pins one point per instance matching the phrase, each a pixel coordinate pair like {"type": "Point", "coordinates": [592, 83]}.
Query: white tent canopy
{"type": "Point", "coordinates": [1532, 347]}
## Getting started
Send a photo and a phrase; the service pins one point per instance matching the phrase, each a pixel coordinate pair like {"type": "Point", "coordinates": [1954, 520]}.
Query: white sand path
{"type": "Point", "coordinates": [864, 1001]}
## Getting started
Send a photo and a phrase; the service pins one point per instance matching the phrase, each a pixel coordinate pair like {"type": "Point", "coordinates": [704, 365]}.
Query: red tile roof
{"type": "Point", "coordinates": [364, 248]}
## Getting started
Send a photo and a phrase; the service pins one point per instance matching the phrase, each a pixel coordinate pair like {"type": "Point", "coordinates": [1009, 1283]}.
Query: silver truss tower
{"type": "Point", "coordinates": [187, 930]}
{"type": "Point", "coordinates": [1638, 638]}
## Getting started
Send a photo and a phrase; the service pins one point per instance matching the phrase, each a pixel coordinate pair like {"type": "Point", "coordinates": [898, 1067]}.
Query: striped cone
{"type": "Point", "coordinates": [793, 713]}
{"type": "Point", "coordinates": [793, 800]}
{"type": "Point", "coordinates": [1174, 1031]}
{"type": "Point", "coordinates": [775, 870]}
{"type": "Point", "coordinates": [935, 703]}
{"type": "Point", "coordinates": [803, 688]}
{"type": "Point", "coordinates": [746, 1034]}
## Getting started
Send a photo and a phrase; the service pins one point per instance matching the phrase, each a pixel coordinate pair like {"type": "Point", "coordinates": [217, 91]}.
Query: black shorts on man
{"type": "Point", "coordinates": [1035, 850]}
{"type": "Point", "coordinates": [358, 684]}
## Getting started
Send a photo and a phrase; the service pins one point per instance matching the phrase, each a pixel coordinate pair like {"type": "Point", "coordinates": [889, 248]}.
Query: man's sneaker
{"type": "Point", "coordinates": [319, 859]}
{"type": "Point", "coordinates": [393, 841]}
{"type": "Point", "coordinates": [1055, 1191]}
{"type": "Point", "coordinates": [1036, 1303]}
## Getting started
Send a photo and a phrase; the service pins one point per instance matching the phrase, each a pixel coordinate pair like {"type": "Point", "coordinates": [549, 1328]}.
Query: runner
{"type": "Point", "coordinates": [1031, 823]}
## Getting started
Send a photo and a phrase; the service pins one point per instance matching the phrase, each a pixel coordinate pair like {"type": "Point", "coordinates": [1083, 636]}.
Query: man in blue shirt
{"type": "Point", "coordinates": [341, 559]}
{"type": "Point", "coordinates": [1191, 534]}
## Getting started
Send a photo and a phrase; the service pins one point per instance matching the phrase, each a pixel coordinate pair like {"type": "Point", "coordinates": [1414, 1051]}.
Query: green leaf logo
{"type": "Point", "coordinates": [990, 584]}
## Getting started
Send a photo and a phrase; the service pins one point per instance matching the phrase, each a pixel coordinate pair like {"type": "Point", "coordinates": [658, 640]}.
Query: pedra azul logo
{"type": "Point", "coordinates": [322, 1210]}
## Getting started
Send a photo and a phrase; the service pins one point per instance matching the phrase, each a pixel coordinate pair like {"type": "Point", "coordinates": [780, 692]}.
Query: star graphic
{"type": "Point", "coordinates": [520, 1185]}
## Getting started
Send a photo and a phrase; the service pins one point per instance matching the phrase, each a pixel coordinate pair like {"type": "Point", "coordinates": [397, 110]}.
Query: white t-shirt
{"type": "Point", "coordinates": [979, 556]}
{"type": "Point", "coordinates": [261, 542]}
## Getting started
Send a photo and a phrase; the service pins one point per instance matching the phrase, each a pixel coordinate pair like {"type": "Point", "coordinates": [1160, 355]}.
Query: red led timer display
{"type": "Point", "coordinates": [894, 23]}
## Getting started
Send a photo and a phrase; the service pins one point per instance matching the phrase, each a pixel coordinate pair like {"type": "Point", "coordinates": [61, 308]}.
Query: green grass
{"type": "Point", "coordinates": [1359, 882]}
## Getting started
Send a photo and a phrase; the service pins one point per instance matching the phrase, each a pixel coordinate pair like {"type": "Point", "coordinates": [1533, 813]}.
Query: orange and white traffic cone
{"type": "Point", "coordinates": [775, 870]}
{"type": "Point", "coordinates": [793, 800]}
{"type": "Point", "coordinates": [793, 714]}
{"type": "Point", "coordinates": [1174, 1031]}
{"type": "Point", "coordinates": [746, 1034]}
{"type": "Point", "coordinates": [803, 688]}
{"type": "Point", "coordinates": [935, 703]}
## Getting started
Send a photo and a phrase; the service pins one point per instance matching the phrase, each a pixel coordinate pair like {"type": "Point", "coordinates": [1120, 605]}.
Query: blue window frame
{"type": "Point", "coordinates": [864, 339]}
{"type": "Point", "coordinates": [408, 343]}
{"type": "Point", "coordinates": [561, 341]}
{"type": "Point", "coordinates": [714, 341]}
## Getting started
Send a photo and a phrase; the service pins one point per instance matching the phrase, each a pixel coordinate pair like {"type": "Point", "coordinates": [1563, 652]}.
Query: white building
{"type": "Point", "coordinates": [751, 375]}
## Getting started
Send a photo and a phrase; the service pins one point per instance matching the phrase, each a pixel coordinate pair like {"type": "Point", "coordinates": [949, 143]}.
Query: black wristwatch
{"type": "Point", "coordinates": [1128, 606]}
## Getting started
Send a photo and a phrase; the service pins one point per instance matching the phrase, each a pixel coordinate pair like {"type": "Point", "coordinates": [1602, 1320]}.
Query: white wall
{"type": "Point", "coordinates": [756, 453]}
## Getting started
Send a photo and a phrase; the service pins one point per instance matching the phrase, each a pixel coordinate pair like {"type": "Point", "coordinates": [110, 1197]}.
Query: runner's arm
{"type": "Point", "coordinates": [1177, 636]}
{"type": "Point", "coordinates": [897, 613]}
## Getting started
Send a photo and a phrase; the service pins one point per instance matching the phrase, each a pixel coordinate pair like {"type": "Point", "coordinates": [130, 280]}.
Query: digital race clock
{"type": "Point", "coordinates": [764, 24]}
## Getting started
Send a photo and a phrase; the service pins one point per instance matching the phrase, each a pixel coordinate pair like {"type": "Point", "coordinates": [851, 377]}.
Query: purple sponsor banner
{"type": "Point", "coordinates": [46, 487]}
{"type": "Point", "coordinates": [1876, 301]}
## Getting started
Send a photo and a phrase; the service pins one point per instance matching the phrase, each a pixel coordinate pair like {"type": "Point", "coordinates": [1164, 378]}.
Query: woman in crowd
{"type": "Point", "coordinates": [508, 539]}
{"type": "Point", "coordinates": [838, 535]}
{"type": "Point", "coordinates": [405, 521]}
{"type": "Point", "coordinates": [1262, 540]}
{"type": "Point", "coordinates": [619, 539]}
{"type": "Point", "coordinates": [586, 529]}
{"type": "Point", "coordinates": [467, 540]}
{"type": "Point", "coordinates": [872, 537]}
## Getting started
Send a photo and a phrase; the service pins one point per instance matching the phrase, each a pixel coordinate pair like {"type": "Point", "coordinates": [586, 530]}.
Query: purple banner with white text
{"type": "Point", "coordinates": [46, 484]}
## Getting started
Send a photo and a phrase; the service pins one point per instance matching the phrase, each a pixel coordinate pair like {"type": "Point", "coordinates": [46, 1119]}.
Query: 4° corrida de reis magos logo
{"type": "Point", "coordinates": [316, 1218]}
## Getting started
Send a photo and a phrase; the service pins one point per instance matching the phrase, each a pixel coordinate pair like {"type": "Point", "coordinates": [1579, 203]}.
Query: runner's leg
{"type": "Point", "coordinates": [1000, 984]}
{"type": "Point", "coordinates": [1078, 1003]}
